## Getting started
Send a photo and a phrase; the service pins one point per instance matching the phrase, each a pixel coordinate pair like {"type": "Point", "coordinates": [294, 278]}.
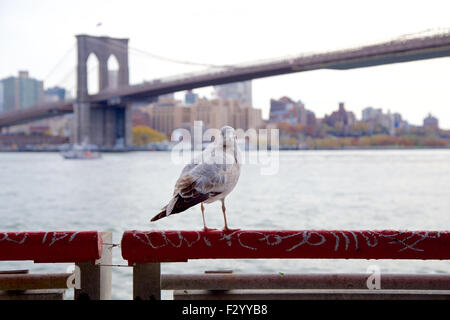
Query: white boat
{"type": "Point", "coordinates": [83, 152]}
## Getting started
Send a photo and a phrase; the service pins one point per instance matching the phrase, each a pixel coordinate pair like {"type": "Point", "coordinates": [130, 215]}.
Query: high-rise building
{"type": "Point", "coordinates": [190, 97]}
{"type": "Point", "coordinates": [245, 117]}
{"type": "Point", "coordinates": [167, 96]}
{"type": "Point", "coordinates": [310, 118]}
{"type": "Point", "coordinates": [169, 116]}
{"type": "Point", "coordinates": [21, 92]}
{"type": "Point", "coordinates": [398, 121]}
{"type": "Point", "coordinates": [287, 110]}
{"type": "Point", "coordinates": [240, 91]}
{"type": "Point", "coordinates": [370, 113]}
{"type": "Point", "coordinates": [341, 116]}
{"type": "Point", "coordinates": [389, 121]}
{"type": "Point", "coordinates": [55, 94]}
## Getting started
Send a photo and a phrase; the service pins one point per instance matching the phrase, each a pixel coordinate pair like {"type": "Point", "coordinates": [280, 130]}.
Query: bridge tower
{"type": "Point", "coordinates": [107, 125]}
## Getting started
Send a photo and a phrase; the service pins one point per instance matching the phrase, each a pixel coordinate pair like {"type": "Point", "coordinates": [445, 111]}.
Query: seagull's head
{"type": "Point", "coordinates": [229, 139]}
{"type": "Point", "coordinates": [228, 136]}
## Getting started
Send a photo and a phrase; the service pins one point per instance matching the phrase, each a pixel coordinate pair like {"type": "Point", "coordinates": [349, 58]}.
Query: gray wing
{"type": "Point", "coordinates": [197, 183]}
{"type": "Point", "coordinates": [212, 178]}
{"type": "Point", "coordinates": [207, 175]}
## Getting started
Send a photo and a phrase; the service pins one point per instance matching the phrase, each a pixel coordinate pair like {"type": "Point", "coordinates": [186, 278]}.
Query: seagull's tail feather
{"type": "Point", "coordinates": [179, 204]}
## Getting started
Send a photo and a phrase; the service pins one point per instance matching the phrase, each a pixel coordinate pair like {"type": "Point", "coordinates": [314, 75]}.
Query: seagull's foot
{"type": "Point", "coordinates": [208, 229]}
{"type": "Point", "coordinates": [226, 229]}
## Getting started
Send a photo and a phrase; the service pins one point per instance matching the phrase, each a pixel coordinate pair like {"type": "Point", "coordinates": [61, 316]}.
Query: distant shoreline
{"type": "Point", "coordinates": [367, 148]}
{"type": "Point", "coordinates": [347, 148]}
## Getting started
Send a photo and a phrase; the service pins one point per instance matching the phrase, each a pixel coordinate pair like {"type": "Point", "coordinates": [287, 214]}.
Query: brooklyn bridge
{"type": "Point", "coordinates": [105, 117]}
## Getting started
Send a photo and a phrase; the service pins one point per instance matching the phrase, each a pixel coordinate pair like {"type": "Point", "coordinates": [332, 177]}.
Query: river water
{"type": "Point", "coordinates": [382, 189]}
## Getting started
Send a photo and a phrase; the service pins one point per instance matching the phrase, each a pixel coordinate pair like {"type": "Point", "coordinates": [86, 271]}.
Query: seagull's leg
{"type": "Point", "coordinates": [203, 216]}
{"type": "Point", "coordinates": [225, 217]}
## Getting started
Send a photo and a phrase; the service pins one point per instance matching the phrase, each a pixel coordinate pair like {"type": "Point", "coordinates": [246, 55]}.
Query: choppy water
{"type": "Point", "coordinates": [402, 189]}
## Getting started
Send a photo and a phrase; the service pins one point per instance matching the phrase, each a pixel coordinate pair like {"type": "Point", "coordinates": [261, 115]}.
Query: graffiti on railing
{"type": "Point", "coordinates": [289, 241]}
{"type": "Point", "coordinates": [49, 238]}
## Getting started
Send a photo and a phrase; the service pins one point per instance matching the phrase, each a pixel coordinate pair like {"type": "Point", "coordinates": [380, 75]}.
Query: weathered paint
{"type": "Point", "coordinates": [166, 246]}
{"type": "Point", "coordinates": [52, 246]}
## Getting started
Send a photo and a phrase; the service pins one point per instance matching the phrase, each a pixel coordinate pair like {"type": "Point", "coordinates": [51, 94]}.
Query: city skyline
{"type": "Point", "coordinates": [413, 89]}
{"type": "Point", "coordinates": [358, 116]}
{"type": "Point", "coordinates": [238, 92]}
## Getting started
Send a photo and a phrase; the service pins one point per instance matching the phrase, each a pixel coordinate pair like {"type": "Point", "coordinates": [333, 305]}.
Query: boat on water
{"type": "Point", "coordinates": [83, 152]}
{"type": "Point", "coordinates": [75, 154]}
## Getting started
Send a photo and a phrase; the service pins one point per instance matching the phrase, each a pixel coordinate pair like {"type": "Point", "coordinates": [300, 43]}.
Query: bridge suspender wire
{"type": "Point", "coordinates": [57, 65]}
{"type": "Point", "coordinates": [68, 77]}
{"type": "Point", "coordinates": [72, 87]}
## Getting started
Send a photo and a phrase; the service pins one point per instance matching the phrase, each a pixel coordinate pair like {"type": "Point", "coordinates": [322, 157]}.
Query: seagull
{"type": "Point", "coordinates": [208, 178]}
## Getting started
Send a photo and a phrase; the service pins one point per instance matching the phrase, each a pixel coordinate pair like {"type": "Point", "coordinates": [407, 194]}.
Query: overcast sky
{"type": "Point", "coordinates": [36, 35]}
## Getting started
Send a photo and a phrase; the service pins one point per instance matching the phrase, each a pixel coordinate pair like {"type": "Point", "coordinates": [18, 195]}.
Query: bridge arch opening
{"type": "Point", "coordinates": [113, 72]}
{"type": "Point", "coordinates": [93, 74]}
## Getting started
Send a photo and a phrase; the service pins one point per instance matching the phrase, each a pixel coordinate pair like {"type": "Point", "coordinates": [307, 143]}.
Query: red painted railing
{"type": "Point", "coordinates": [54, 246]}
{"type": "Point", "coordinates": [166, 246]}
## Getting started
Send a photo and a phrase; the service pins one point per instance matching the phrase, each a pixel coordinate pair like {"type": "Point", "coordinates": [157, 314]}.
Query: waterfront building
{"type": "Point", "coordinates": [168, 115]}
{"type": "Point", "coordinates": [166, 118]}
{"type": "Point", "coordinates": [389, 121]}
{"type": "Point", "coordinates": [310, 118]}
{"type": "Point", "coordinates": [21, 92]}
{"type": "Point", "coordinates": [213, 113]}
{"type": "Point", "coordinates": [287, 110]}
{"type": "Point", "coordinates": [167, 101]}
{"type": "Point", "coordinates": [377, 117]}
{"type": "Point", "coordinates": [243, 116]}
{"type": "Point", "coordinates": [371, 114]}
{"type": "Point", "coordinates": [346, 118]}
{"type": "Point", "coordinates": [431, 122]}
{"type": "Point", "coordinates": [399, 123]}
{"type": "Point", "coordinates": [240, 91]}
{"type": "Point", "coordinates": [140, 118]}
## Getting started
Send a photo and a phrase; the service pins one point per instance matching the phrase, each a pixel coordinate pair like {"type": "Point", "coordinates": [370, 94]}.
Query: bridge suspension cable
{"type": "Point", "coordinates": [159, 57]}
{"type": "Point", "coordinates": [163, 58]}
{"type": "Point", "coordinates": [64, 80]}
{"type": "Point", "coordinates": [68, 79]}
